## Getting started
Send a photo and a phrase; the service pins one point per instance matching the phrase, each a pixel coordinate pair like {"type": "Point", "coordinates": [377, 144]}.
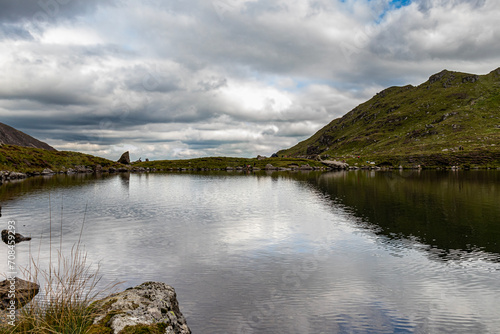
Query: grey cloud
{"type": "Point", "coordinates": [51, 9]}
{"type": "Point", "coordinates": [426, 5]}
{"type": "Point", "coordinates": [14, 32]}
{"type": "Point", "coordinates": [212, 83]}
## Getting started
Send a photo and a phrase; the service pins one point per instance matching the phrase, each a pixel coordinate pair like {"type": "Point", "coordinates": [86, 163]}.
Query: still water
{"type": "Point", "coordinates": [339, 252]}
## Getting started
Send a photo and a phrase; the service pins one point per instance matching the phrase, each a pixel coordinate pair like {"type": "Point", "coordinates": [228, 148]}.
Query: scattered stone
{"type": "Point", "coordinates": [260, 157]}
{"type": "Point", "coordinates": [83, 169]}
{"type": "Point", "coordinates": [24, 293]}
{"type": "Point", "coordinates": [16, 176]}
{"type": "Point", "coordinates": [47, 171]}
{"type": "Point", "coordinates": [149, 306]}
{"type": "Point", "coordinates": [125, 158]}
{"type": "Point", "coordinates": [335, 164]}
{"type": "Point", "coordinates": [470, 78]}
{"type": "Point", "coordinates": [17, 237]}
{"type": "Point", "coordinates": [270, 167]}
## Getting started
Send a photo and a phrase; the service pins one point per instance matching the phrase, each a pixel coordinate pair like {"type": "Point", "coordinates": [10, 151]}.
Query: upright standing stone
{"type": "Point", "coordinates": [125, 158]}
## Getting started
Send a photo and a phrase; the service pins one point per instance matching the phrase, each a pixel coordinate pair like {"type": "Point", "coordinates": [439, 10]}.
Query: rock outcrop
{"type": "Point", "coordinates": [150, 306]}
{"type": "Point", "coordinates": [23, 292]}
{"type": "Point", "coordinates": [125, 158]}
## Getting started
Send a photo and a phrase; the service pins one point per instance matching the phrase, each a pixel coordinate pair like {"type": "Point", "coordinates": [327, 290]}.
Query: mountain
{"type": "Point", "coordinates": [451, 118]}
{"type": "Point", "coordinates": [11, 136]}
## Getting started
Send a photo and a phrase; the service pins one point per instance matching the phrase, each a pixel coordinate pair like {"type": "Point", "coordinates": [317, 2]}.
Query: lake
{"type": "Point", "coordinates": [306, 252]}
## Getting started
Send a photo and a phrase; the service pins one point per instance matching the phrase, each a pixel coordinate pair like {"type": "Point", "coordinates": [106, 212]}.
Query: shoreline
{"type": "Point", "coordinates": [7, 175]}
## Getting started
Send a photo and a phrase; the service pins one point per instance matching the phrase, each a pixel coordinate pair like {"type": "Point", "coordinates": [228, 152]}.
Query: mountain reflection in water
{"type": "Point", "coordinates": [339, 252]}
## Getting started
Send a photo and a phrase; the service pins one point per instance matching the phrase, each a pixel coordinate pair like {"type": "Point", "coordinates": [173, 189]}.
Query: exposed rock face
{"type": "Point", "coordinates": [24, 293]}
{"type": "Point", "coordinates": [125, 158]}
{"type": "Point", "coordinates": [437, 77]}
{"type": "Point", "coordinates": [152, 305]}
{"type": "Point", "coordinates": [11, 136]}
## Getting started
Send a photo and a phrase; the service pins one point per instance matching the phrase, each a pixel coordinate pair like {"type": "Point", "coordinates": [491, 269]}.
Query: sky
{"type": "Point", "coordinates": [183, 79]}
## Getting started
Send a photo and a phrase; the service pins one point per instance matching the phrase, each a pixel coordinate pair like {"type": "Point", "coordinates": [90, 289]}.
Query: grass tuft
{"type": "Point", "coordinates": [65, 303]}
{"type": "Point", "coordinates": [68, 290]}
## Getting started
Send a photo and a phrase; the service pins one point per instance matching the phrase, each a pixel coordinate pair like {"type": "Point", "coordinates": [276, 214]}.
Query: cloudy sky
{"type": "Point", "coordinates": [188, 78]}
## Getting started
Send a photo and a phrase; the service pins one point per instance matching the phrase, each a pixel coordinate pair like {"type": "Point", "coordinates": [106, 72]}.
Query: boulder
{"type": "Point", "coordinates": [47, 171]}
{"type": "Point", "coordinates": [16, 176]}
{"type": "Point", "coordinates": [150, 307]}
{"type": "Point", "coordinates": [270, 167]}
{"type": "Point", "coordinates": [82, 169]}
{"type": "Point", "coordinates": [335, 164]}
{"type": "Point", "coordinates": [125, 158]}
{"type": "Point", "coordinates": [24, 292]}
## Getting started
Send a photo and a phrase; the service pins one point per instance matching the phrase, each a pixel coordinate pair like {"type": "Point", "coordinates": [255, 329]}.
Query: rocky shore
{"type": "Point", "coordinates": [151, 307]}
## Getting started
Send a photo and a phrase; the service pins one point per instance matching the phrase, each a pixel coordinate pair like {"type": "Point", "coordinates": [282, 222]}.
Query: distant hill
{"type": "Point", "coordinates": [451, 118]}
{"type": "Point", "coordinates": [11, 136]}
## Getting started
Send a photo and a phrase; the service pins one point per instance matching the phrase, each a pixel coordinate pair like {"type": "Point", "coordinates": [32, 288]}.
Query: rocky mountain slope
{"type": "Point", "coordinates": [11, 136]}
{"type": "Point", "coordinates": [453, 118]}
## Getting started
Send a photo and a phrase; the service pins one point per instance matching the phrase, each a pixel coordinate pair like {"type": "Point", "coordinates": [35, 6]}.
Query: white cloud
{"type": "Point", "coordinates": [187, 78]}
{"type": "Point", "coordinates": [71, 36]}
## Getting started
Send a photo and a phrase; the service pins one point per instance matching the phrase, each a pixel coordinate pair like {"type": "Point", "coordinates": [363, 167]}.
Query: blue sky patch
{"type": "Point", "coordinates": [399, 3]}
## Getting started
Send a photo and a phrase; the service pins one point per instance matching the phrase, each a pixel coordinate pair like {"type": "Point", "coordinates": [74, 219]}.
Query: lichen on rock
{"type": "Point", "coordinates": [151, 307]}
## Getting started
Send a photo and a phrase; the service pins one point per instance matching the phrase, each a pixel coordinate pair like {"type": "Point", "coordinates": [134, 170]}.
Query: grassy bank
{"type": "Point", "coordinates": [224, 162]}
{"type": "Point", "coordinates": [32, 160]}
{"type": "Point", "coordinates": [477, 159]}
{"type": "Point", "coordinates": [35, 160]}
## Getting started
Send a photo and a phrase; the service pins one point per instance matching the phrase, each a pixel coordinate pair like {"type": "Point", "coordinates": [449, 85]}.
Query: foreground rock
{"type": "Point", "coordinates": [23, 292]}
{"type": "Point", "coordinates": [150, 306]}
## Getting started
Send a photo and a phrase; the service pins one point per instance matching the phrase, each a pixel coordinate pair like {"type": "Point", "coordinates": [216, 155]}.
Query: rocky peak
{"type": "Point", "coordinates": [11, 136]}
{"type": "Point", "coordinates": [438, 76]}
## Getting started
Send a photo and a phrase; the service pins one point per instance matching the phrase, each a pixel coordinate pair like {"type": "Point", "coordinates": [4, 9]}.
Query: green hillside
{"type": "Point", "coordinates": [26, 159]}
{"type": "Point", "coordinates": [451, 119]}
